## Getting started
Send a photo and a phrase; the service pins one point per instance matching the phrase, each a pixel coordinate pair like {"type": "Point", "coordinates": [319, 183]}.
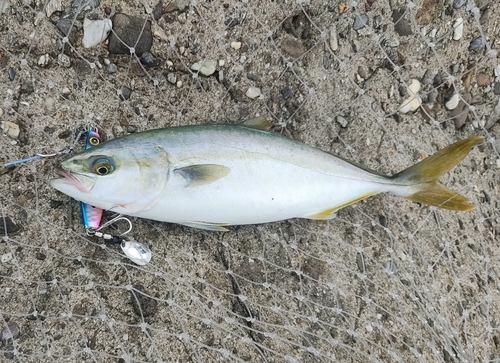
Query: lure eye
{"type": "Point", "coordinates": [103, 166]}
{"type": "Point", "coordinates": [94, 141]}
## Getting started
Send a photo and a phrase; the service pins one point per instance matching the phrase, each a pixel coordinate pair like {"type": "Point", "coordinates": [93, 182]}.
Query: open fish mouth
{"type": "Point", "coordinates": [82, 182]}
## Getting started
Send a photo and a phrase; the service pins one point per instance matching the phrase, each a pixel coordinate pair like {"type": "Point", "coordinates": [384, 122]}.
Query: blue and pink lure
{"type": "Point", "coordinates": [91, 215]}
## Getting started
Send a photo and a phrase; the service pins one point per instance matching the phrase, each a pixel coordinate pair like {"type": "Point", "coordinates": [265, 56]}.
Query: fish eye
{"type": "Point", "coordinates": [94, 141]}
{"type": "Point", "coordinates": [103, 166]}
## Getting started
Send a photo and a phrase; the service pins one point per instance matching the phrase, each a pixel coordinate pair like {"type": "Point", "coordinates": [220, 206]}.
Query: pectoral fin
{"type": "Point", "coordinates": [206, 226]}
{"type": "Point", "coordinates": [196, 175]}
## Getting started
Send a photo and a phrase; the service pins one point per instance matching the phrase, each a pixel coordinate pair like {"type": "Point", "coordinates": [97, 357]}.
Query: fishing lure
{"type": "Point", "coordinates": [91, 215]}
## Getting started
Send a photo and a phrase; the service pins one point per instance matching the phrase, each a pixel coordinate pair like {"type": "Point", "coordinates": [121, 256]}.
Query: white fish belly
{"type": "Point", "coordinates": [257, 191]}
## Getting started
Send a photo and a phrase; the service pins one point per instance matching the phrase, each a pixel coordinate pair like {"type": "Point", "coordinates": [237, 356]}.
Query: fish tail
{"type": "Point", "coordinates": [422, 178]}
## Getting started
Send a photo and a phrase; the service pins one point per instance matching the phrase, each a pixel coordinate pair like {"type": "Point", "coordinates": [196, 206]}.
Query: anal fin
{"type": "Point", "coordinates": [329, 212]}
{"type": "Point", "coordinates": [208, 226]}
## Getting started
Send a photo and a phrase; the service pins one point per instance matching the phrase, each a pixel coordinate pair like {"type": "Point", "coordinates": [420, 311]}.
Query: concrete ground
{"type": "Point", "coordinates": [386, 280]}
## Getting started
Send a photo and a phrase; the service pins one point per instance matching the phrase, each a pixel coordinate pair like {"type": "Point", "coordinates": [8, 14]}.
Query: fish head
{"type": "Point", "coordinates": [122, 179]}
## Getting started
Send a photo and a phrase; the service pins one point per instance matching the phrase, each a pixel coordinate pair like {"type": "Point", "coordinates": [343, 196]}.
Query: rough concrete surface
{"type": "Point", "coordinates": [386, 280]}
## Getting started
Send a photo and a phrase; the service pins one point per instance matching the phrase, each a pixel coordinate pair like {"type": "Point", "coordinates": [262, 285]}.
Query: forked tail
{"type": "Point", "coordinates": [423, 177]}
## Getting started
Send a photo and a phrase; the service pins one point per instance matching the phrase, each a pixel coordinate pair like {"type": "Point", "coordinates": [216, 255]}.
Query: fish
{"type": "Point", "coordinates": [216, 175]}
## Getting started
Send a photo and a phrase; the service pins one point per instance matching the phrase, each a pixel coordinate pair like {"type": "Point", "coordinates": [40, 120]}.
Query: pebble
{"type": "Point", "coordinates": [410, 104]}
{"type": "Point", "coordinates": [457, 4]}
{"type": "Point", "coordinates": [401, 25]}
{"type": "Point", "coordinates": [482, 79]}
{"type": "Point", "coordinates": [458, 29]}
{"type": "Point", "coordinates": [377, 21]}
{"type": "Point", "coordinates": [476, 45]}
{"type": "Point", "coordinates": [43, 61]}
{"type": "Point", "coordinates": [172, 78]}
{"type": "Point", "coordinates": [130, 32]}
{"type": "Point", "coordinates": [12, 73]}
{"type": "Point", "coordinates": [7, 225]}
{"type": "Point", "coordinates": [111, 68]}
{"type": "Point", "coordinates": [459, 114]}
{"type": "Point", "coordinates": [293, 47]}
{"type": "Point", "coordinates": [124, 93]}
{"type": "Point", "coordinates": [414, 87]}
{"type": "Point", "coordinates": [49, 104]}
{"type": "Point", "coordinates": [52, 6]}
{"type": "Point", "coordinates": [494, 116]}
{"type": "Point", "coordinates": [360, 21]}
{"type": "Point", "coordinates": [236, 45]}
{"type": "Point", "coordinates": [391, 42]}
{"type": "Point", "coordinates": [63, 60]}
{"type": "Point", "coordinates": [286, 92]}
{"type": "Point", "coordinates": [453, 102]}
{"type": "Point", "coordinates": [496, 88]}
{"type": "Point", "coordinates": [6, 257]}
{"type": "Point", "coordinates": [148, 60]}
{"type": "Point", "coordinates": [253, 92]}
{"type": "Point", "coordinates": [9, 332]}
{"type": "Point", "coordinates": [11, 129]}
{"type": "Point", "coordinates": [341, 120]}
{"type": "Point", "coordinates": [27, 88]}
{"type": "Point", "coordinates": [206, 68]}
{"type": "Point", "coordinates": [334, 42]}
{"type": "Point", "coordinates": [95, 32]}
{"type": "Point", "coordinates": [79, 8]}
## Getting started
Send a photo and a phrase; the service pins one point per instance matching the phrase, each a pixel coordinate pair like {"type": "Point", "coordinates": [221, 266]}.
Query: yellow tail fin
{"type": "Point", "coordinates": [424, 177]}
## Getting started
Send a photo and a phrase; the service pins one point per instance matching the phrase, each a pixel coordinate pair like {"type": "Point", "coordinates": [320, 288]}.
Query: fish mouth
{"type": "Point", "coordinates": [81, 182]}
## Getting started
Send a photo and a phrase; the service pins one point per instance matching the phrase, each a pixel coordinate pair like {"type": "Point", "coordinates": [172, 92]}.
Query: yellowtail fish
{"type": "Point", "coordinates": [212, 176]}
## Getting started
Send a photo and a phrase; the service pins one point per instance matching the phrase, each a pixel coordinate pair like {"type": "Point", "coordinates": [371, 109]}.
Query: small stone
{"type": "Point", "coordinates": [414, 87]}
{"type": "Point", "coordinates": [293, 47]}
{"type": "Point", "coordinates": [496, 88]}
{"type": "Point", "coordinates": [172, 78]}
{"type": "Point", "coordinates": [65, 91]}
{"type": "Point", "coordinates": [80, 8]}
{"type": "Point", "coordinates": [334, 42]}
{"type": "Point", "coordinates": [10, 129]}
{"type": "Point", "coordinates": [6, 257]}
{"type": "Point", "coordinates": [7, 225]}
{"type": "Point", "coordinates": [130, 33]}
{"type": "Point", "coordinates": [494, 116]}
{"type": "Point", "coordinates": [9, 332]}
{"type": "Point", "coordinates": [12, 74]}
{"type": "Point", "coordinates": [482, 79]}
{"type": "Point", "coordinates": [65, 25]}
{"type": "Point", "coordinates": [52, 6]}
{"type": "Point", "coordinates": [410, 104]}
{"type": "Point", "coordinates": [43, 61]}
{"type": "Point", "coordinates": [27, 88]}
{"type": "Point", "coordinates": [49, 104]}
{"type": "Point", "coordinates": [391, 42]}
{"type": "Point", "coordinates": [236, 45]}
{"type": "Point", "coordinates": [95, 32]}
{"type": "Point", "coordinates": [341, 120]}
{"type": "Point", "coordinates": [112, 68]}
{"type": "Point", "coordinates": [64, 61]}
{"type": "Point", "coordinates": [401, 25]}
{"type": "Point", "coordinates": [453, 102]}
{"type": "Point", "coordinates": [360, 21]}
{"type": "Point", "coordinates": [124, 93]}
{"type": "Point", "coordinates": [459, 114]}
{"type": "Point", "coordinates": [148, 60]}
{"type": "Point", "coordinates": [377, 21]}
{"type": "Point", "coordinates": [253, 92]}
{"type": "Point", "coordinates": [477, 44]}
{"type": "Point", "coordinates": [206, 68]}
{"type": "Point", "coordinates": [457, 4]}
{"type": "Point", "coordinates": [286, 92]}
{"type": "Point", "coordinates": [458, 29]}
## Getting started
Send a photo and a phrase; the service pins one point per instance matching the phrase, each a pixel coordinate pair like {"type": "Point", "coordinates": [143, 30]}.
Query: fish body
{"type": "Point", "coordinates": [211, 176]}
